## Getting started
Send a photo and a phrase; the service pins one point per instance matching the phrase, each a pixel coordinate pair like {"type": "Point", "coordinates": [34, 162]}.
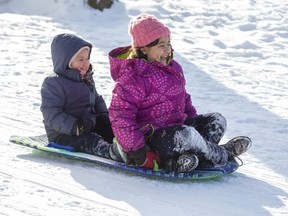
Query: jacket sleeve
{"type": "Point", "coordinates": [126, 99]}
{"type": "Point", "coordinates": [53, 99]}
{"type": "Point", "coordinates": [100, 106]}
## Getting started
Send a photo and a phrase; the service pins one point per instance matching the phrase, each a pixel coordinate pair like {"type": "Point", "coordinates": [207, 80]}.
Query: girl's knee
{"type": "Point", "coordinates": [220, 119]}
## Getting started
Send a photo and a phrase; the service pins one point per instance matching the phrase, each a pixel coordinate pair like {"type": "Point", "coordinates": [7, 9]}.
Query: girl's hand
{"type": "Point", "coordinates": [144, 158]}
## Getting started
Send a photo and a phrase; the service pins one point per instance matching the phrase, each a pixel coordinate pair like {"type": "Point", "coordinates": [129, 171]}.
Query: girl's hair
{"type": "Point", "coordinates": [137, 53]}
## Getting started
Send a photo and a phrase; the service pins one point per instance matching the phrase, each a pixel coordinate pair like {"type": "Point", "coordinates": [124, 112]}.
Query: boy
{"type": "Point", "coordinates": [74, 113]}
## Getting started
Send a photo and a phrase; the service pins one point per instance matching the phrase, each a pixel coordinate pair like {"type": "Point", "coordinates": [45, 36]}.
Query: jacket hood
{"type": "Point", "coordinates": [118, 59]}
{"type": "Point", "coordinates": [120, 63]}
{"type": "Point", "coordinates": [63, 47]}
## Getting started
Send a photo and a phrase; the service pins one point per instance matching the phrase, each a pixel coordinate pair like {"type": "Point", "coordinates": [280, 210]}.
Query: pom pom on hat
{"type": "Point", "coordinates": [145, 29]}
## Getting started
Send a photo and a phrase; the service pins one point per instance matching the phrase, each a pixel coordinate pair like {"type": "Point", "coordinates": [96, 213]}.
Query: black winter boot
{"type": "Point", "coordinates": [93, 144]}
{"type": "Point", "coordinates": [185, 163]}
{"type": "Point", "coordinates": [237, 146]}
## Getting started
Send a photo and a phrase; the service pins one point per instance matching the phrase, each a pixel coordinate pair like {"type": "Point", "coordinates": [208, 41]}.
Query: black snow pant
{"type": "Point", "coordinates": [210, 126]}
{"type": "Point", "coordinates": [199, 135]}
{"type": "Point", "coordinates": [91, 143]}
{"type": "Point", "coordinates": [96, 143]}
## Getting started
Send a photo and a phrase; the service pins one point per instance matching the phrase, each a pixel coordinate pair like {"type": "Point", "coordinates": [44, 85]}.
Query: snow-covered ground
{"type": "Point", "coordinates": [234, 54]}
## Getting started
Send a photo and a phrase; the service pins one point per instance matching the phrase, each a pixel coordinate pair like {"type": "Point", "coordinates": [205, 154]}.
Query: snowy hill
{"type": "Point", "coordinates": [234, 54]}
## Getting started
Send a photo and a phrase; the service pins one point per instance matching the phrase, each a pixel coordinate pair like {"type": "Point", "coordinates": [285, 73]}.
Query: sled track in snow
{"type": "Point", "coordinates": [43, 184]}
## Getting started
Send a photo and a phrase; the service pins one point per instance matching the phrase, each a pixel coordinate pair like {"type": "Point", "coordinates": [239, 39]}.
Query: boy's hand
{"type": "Point", "coordinates": [80, 128]}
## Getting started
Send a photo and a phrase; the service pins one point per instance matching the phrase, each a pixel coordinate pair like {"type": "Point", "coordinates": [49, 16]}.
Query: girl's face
{"type": "Point", "coordinates": [81, 62]}
{"type": "Point", "coordinates": [160, 51]}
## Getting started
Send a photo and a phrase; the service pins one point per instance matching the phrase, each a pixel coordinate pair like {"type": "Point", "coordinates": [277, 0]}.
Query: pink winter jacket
{"type": "Point", "coordinates": [146, 95]}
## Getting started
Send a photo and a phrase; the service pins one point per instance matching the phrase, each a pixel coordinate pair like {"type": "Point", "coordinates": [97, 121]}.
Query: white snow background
{"type": "Point", "coordinates": [235, 57]}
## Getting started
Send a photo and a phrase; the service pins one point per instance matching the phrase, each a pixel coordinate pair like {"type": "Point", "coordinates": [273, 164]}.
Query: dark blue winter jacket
{"type": "Point", "coordinates": [65, 97]}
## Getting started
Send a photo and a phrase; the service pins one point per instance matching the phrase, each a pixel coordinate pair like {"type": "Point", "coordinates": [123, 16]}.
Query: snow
{"type": "Point", "coordinates": [234, 54]}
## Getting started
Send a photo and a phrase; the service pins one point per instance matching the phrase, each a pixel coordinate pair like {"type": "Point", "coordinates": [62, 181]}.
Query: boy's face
{"type": "Point", "coordinates": [81, 62]}
{"type": "Point", "coordinates": [160, 51]}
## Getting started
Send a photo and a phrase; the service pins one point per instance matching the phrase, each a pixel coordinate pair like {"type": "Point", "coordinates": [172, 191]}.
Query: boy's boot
{"type": "Point", "coordinates": [116, 152]}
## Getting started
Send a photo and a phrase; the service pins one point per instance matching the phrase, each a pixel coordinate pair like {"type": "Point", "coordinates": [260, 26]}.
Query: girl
{"type": "Point", "coordinates": [74, 113]}
{"type": "Point", "coordinates": [151, 113]}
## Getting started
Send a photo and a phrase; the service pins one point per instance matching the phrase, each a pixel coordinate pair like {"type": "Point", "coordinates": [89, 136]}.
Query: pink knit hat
{"type": "Point", "coordinates": [145, 29]}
